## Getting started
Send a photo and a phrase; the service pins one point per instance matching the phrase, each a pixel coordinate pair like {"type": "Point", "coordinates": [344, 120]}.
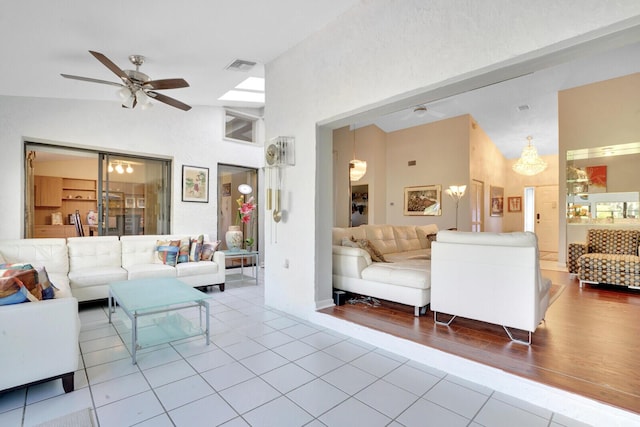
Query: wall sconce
{"type": "Point", "coordinates": [456, 192]}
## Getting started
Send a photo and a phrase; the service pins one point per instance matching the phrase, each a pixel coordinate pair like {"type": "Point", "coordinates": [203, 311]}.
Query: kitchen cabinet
{"type": "Point", "coordinates": [48, 191]}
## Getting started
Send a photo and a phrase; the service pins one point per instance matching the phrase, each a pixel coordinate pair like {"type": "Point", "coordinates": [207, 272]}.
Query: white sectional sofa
{"type": "Point", "coordinates": [405, 278]}
{"type": "Point", "coordinates": [39, 340]}
{"type": "Point", "coordinates": [491, 277]}
{"type": "Point", "coordinates": [94, 262]}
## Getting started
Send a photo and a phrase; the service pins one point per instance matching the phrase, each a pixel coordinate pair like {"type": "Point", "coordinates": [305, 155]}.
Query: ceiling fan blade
{"type": "Point", "coordinates": [88, 79]}
{"type": "Point", "coordinates": [166, 84]}
{"type": "Point", "coordinates": [110, 65]}
{"type": "Point", "coordinates": [169, 101]}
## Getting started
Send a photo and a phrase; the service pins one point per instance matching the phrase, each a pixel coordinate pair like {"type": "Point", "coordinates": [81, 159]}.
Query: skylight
{"type": "Point", "coordinates": [249, 90]}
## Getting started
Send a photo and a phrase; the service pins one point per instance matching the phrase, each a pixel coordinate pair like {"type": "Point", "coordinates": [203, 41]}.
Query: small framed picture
{"type": "Point", "coordinates": [195, 184]}
{"type": "Point", "coordinates": [130, 202]}
{"type": "Point", "coordinates": [514, 204]}
{"type": "Point", "coordinates": [497, 201]}
{"type": "Point", "coordinates": [140, 202]}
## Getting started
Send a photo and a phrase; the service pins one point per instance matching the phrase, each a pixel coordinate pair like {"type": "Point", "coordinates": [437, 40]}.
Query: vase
{"type": "Point", "coordinates": [234, 238]}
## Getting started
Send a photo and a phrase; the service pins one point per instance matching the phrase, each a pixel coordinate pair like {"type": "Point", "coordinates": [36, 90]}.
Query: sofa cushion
{"type": "Point", "coordinates": [621, 242]}
{"type": "Point", "coordinates": [365, 244]}
{"type": "Point", "coordinates": [183, 253]}
{"type": "Point", "coordinates": [143, 271]}
{"type": "Point", "coordinates": [208, 249]}
{"type": "Point", "coordinates": [339, 233]}
{"type": "Point", "coordinates": [96, 276]}
{"type": "Point", "coordinates": [185, 269]}
{"type": "Point", "coordinates": [412, 274]}
{"type": "Point", "coordinates": [610, 262]}
{"type": "Point", "coordinates": [382, 236]}
{"type": "Point", "coordinates": [406, 238]}
{"type": "Point", "coordinates": [195, 250]}
{"type": "Point", "coordinates": [165, 255]}
{"type": "Point", "coordinates": [168, 254]}
{"type": "Point", "coordinates": [426, 235]}
{"type": "Point", "coordinates": [423, 254]}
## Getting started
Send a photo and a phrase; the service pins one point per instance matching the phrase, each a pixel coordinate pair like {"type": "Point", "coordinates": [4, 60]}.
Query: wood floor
{"type": "Point", "coordinates": [589, 343]}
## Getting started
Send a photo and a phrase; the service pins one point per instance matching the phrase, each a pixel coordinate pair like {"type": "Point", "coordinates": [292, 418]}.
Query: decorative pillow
{"type": "Point", "coordinates": [19, 283]}
{"type": "Point", "coordinates": [430, 239]}
{"type": "Point", "coordinates": [168, 254]}
{"type": "Point", "coordinates": [48, 288]}
{"type": "Point", "coordinates": [208, 249]}
{"type": "Point", "coordinates": [350, 243]}
{"type": "Point", "coordinates": [376, 255]}
{"type": "Point", "coordinates": [183, 254]}
{"type": "Point", "coordinates": [160, 257]}
{"type": "Point", "coordinates": [196, 249]}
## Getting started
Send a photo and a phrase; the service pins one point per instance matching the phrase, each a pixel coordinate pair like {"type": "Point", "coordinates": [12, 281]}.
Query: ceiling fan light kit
{"type": "Point", "coordinates": [529, 163]}
{"type": "Point", "coordinates": [137, 87]}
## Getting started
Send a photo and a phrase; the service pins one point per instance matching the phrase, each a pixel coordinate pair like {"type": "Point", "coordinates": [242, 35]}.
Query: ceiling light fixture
{"type": "Point", "coordinates": [119, 168]}
{"type": "Point", "coordinates": [529, 162]}
{"type": "Point", "coordinates": [357, 168]}
{"type": "Point", "coordinates": [420, 110]}
{"type": "Point", "coordinates": [129, 168]}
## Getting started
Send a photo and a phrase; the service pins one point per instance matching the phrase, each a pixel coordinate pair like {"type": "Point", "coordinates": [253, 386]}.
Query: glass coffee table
{"type": "Point", "coordinates": [152, 304]}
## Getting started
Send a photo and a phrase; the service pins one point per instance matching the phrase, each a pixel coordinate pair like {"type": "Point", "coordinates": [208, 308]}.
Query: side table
{"type": "Point", "coordinates": [243, 255]}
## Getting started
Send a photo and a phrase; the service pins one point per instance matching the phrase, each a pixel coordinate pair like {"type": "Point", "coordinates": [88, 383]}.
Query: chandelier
{"type": "Point", "coordinates": [357, 168]}
{"type": "Point", "coordinates": [529, 162]}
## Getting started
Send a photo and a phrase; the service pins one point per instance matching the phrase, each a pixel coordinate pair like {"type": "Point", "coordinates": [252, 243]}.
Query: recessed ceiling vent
{"type": "Point", "coordinates": [240, 65]}
{"type": "Point", "coordinates": [524, 107]}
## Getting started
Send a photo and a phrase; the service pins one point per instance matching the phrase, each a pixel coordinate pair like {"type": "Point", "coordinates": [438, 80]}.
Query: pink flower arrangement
{"type": "Point", "coordinates": [244, 210]}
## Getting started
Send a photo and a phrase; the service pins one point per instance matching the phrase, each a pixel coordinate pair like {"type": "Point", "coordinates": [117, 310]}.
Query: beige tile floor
{"type": "Point", "coordinates": [263, 368]}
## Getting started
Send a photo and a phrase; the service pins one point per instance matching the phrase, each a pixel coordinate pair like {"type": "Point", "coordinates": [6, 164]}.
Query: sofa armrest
{"type": "Point", "coordinates": [350, 262]}
{"type": "Point", "coordinates": [576, 250]}
{"type": "Point", "coordinates": [219, 258]}
{"type": "Point", "coordinates": [38, 340]}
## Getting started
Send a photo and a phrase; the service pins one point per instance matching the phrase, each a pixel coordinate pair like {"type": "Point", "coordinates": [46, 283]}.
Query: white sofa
{"type": "Point", "coordinates": [94, 262]}
{"type": "Point", "coordinates": [405, 278]}
{"type": "Point", "coordinates": [39, 340]}
{"type": "Point", "coordinates": [490, 277]}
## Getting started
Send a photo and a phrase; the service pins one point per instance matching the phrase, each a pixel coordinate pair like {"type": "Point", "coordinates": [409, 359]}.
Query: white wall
{"type": "Point", "coordinates": [381, 52]}
{"type": "Point", "coordinates": [189, 138]}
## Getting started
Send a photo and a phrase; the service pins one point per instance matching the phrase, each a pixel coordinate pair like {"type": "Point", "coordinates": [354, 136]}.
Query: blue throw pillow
{"type": "Point", "coordinates": [168, 254]}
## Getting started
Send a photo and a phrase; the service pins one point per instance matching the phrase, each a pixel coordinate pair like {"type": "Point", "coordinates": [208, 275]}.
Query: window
{"type": "Point", "coordinates": [240, 127]}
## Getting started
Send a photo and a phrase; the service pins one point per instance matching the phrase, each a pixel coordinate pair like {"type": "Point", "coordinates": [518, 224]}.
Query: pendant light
{"type": "Point", "coordinates": [357, 168]}
{"type": "Point", "coordinates": [529, 162]}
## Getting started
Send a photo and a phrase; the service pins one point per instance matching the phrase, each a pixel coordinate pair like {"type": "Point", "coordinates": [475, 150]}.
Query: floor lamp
{"type": "Point", "coordinates": [456, 192]}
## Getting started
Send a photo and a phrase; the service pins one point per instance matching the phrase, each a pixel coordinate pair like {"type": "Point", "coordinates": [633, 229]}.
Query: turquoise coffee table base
{"type": "Point", "coordinates": [151, 305]}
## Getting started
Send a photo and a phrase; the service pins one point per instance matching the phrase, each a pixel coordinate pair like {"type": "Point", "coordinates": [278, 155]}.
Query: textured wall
{"type": "Point", "coordinates": [379, 52]}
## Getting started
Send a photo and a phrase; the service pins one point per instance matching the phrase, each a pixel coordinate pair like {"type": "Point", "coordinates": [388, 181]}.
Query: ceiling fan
{"type": "Point", "coordinates": [137, 87]}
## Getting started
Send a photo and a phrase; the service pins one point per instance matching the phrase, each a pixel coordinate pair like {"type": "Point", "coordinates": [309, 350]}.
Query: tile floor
{"type": "Point", "coordinates": [263, 368]}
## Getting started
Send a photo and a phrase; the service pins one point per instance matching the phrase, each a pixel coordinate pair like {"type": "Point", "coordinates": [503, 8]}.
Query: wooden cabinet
{"type": "Point", "coordinates": [48, 191]}
{"type": "Point", "coordinates": [64, 231]}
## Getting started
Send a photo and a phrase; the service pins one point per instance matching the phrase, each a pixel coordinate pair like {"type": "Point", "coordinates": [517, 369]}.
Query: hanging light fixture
{"type": "Point", "coordinates": [129, 168]}
{"type": "Point", "coordinates": [529, 162]}
{"type": "Point", "coordinates": [119, 168]}
{"type": "Point", "coordinates": [357, 168]}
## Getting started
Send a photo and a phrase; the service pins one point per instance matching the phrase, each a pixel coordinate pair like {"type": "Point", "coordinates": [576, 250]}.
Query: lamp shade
{"type": "Point", "coordinates": [357, 169]}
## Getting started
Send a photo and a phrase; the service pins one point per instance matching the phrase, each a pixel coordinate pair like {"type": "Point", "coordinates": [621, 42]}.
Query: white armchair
{"type": "Point", "coordinates": [490, 277]}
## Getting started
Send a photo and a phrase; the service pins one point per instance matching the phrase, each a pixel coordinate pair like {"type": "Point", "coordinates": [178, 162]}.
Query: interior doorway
{"type": "Point", "coordinates": [237, 184]}
{"type": "Point", "coordinates": [477, 205]}
{"type": "Point", "coordinates": [546, 218]}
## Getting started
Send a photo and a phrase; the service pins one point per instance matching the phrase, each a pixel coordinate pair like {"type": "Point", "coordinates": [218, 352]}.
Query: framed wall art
{"type": "Point", "coordinates": [195, 184]}
{"type": "Point", "coordinates": [423, 200]}
{"type": "Point", "coordinates": [514, 204]}
{"type": "Point", "coordinates": [130, 202]}
{"type": "Point", "coordinates": [497, 200]}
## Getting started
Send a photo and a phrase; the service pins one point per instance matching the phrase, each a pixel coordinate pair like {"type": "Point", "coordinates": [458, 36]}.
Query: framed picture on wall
{"type": "Point", "coordinates": [497, 200]}
{"type": "Point", "coordinates": [130, 202]}
{"type": "Point", "coordinates": [423, 200]}
{"type": "Point", "coordinates": [514, 204]}
{"type": "Point", "coordinates": [195, 184]}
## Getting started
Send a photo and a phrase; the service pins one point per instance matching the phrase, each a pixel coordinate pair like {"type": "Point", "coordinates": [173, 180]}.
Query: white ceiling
{"type": "Point", "coordinates": [196, 40]}
{"type": "Point", "coordinates": [495, 107]}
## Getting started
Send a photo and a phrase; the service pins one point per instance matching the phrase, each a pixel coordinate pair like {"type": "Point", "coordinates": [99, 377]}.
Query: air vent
{"type": "Point", "coordinates": [524, 107]}
{"type": "Point", "coordinates": [240, 65]}
{"type": "Point", "coordinates": [411, 163]}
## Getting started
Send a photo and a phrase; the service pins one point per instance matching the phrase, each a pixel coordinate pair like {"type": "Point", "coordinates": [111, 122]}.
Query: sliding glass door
{"type": "Point", "coordinates": [113, 194]}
